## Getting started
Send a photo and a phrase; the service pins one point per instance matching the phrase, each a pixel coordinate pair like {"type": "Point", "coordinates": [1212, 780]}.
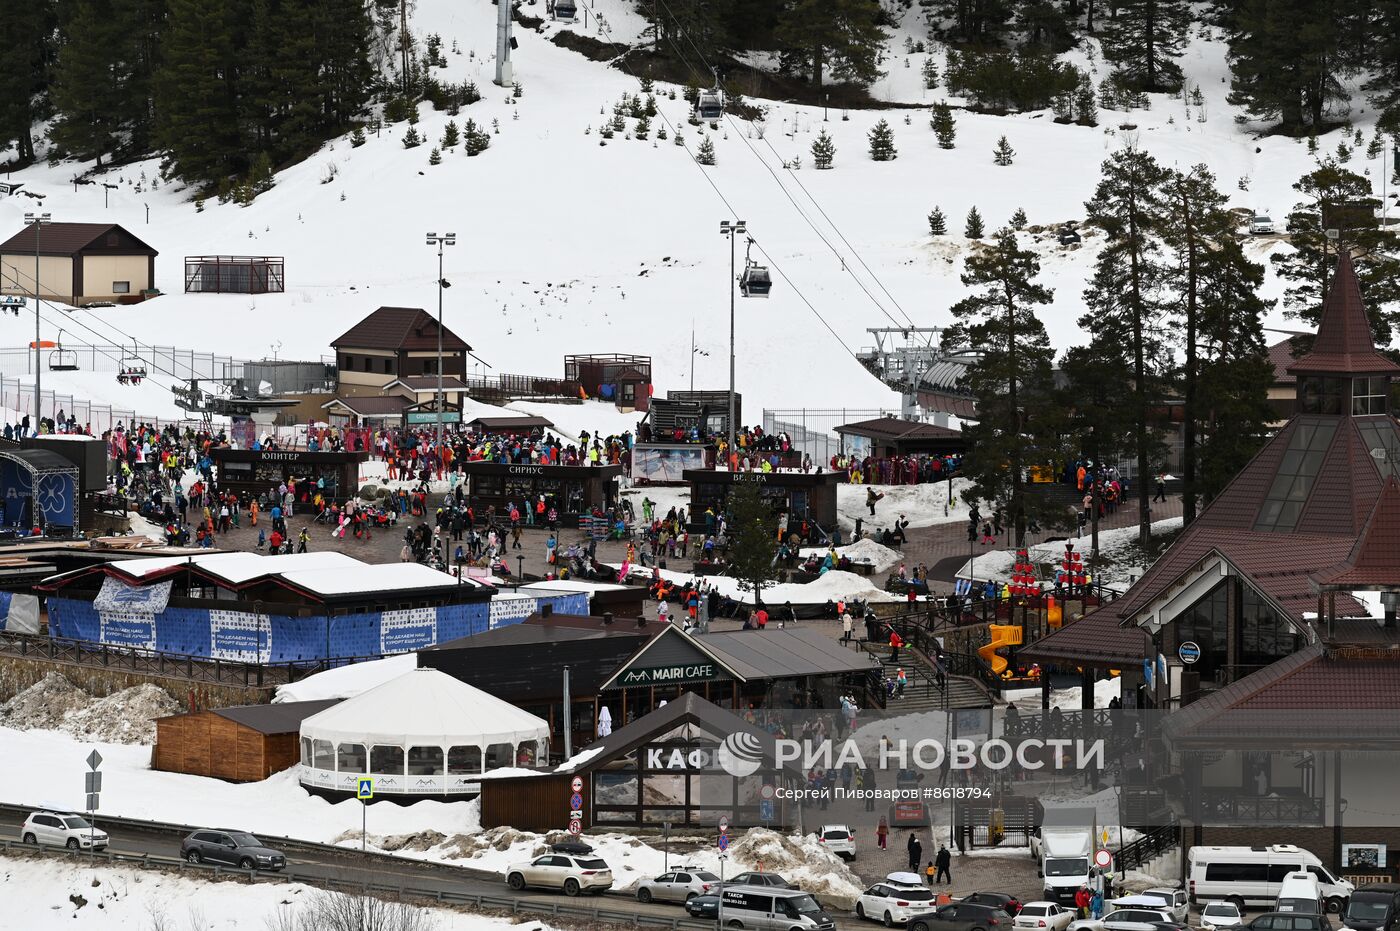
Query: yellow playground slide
{"type": "Point", "coordinates": [1003, 635]}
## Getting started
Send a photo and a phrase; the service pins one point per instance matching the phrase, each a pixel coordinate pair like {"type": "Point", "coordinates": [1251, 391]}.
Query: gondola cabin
{"type": "Point", "coordinates": [565, 11]}
{"type": "Point", "coordinates": [710, 105]}
{"type": "Point", "coordinates": [756, 282]}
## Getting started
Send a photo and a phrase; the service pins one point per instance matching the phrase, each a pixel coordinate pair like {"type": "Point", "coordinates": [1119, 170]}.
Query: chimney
{"type": "Point", "coordinates": [1390, 601]}
{"type": "Point", "coordinates": [607, 618]}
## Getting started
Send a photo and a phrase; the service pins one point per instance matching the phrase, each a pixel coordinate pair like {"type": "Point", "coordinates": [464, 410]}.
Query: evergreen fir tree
{"type": "Point", "coordinates": [1143, 41]}
{"type": "Point", "coordinates": [197, 108]}
{"type": "Point", "coordinates": [643, 128]}
{"type": "Point", "coordinates": [1286, 61]}
{"type": "Point", "coordinates": [357, 138]}
{"type": "Point", "coordinates": [1012, 379]}
{"type": "Point", "coordinates": [1003, 153]}
{"type": "Point", "coordinates": [1373, 150]}
{"type": "Point", "coordinates": [753, 542]}
{"type": "Point", "coordinates": [1343, 152]}
{"type": "Point", "coordinates": [477, 139]}
{"type": "Point", "coordinates": [1018, 219]}
{"type": "Point", "coordinates": [411, 139]}
{"type": "Point", "coordinates": [469, 94]}
{"type": "Point", "coordinates": [1063, 105]}
{"type": "Point", "coordinates": [943, 125]}
{"type": "Point", "coordinates": [930, 74]}
{"type": "Point", "coordinates": [882, 142]}
{"type": "Point", "coordinates": [1086, 111]}
{"type": "Point", "coordinates": [661, 132]}
{"type": "Point", "coordinates": [973, 229]}
{"type": "Point", "coordinates": [435, 157]}
{"type": "Point", "coordinates": [87, 91]}
{"type": "Point", "coordinates": [705, 155]}
{"type": "Point", "coordinates": [823, 151]}
{"type": "Point", "coordinates": [843, 37]}
{"type": "Point", "coordinates": [937, 224]}
{"type": "Point", "coordinates": [1127, 312]}
{"type": "Point", "coordinates": [1347, 201]}
{"type": "Point", "coordinates": [619, 123]}
{"type": "Point", "coordinates": [1312, 144]}
{"type": "Point", "coordinates": [451, 135]}
{"type": "Point", "coordinates": [29, 35]}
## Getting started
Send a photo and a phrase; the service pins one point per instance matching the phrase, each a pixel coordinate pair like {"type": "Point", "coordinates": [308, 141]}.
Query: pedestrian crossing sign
{"type": "Point", "coordinates": [365, 790]}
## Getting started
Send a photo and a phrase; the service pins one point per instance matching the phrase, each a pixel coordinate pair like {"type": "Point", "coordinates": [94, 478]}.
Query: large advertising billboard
{"type": "Point", "coordinates": [655, 464]}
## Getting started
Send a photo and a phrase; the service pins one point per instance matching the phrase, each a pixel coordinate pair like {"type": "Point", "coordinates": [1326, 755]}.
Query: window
{"type": "Point", "coordinates": [1301, 462]}
{"type": "Point", "coordinates": [121, 287]}
{"type": "Point", "coordinates": [1318, 394]}
{"type": "Point", "coordinates": [1278, 871]}
{"type": "Point", "coordinates": [347, 362]}
{"type": "Point", "coordinates": [499, 755]}
{"type": "Point", "coordinates": [1237, 872]}
{"type": "Point", "coordinates": [1370, 395]}
{"type": "Point", "coordinates": [463, 761]}
{"type": "Point", "coordinates": [350, 758]}
{"type": "Point", "coordinates": [388, 366]}
{"type": "Point", "coordinates": [430, 366]}
{"type": "Point", "coordinates": [666, 878]}
{"type": "Point", "coordinates": [306, 751]}
{"type": "Point", "coordinates": [324, 754]}
{"type": "Point", "coordinates": [425, 761]}
{"type": "Point", "coordinates": [1265, 636]}
{"type": "Point", "coordinates": [386, 760]}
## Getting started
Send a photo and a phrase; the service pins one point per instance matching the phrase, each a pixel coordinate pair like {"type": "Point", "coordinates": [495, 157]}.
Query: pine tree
{"type": "Point", "coordinates": [753, 541]}
{"type": "Point", "coordinates": [1343, 152]}
{"type": "Point", "coordinates": [1345, 201]}
{"type": "Point", "coordinates": [1016, 426]}
{"type": "Point", "coordinates": [357, 138]}
{"type": "Point", "coordinates": [1003, 153]}
{"type": "Point", "coordinates": [435, 157]}
{"type": "Point", "coordinates": [411, 139]}
{"type": "Point", "coordinates": [937, 224]}
{"type": "Point", "coordinates": [1127, 314]}
{"type": "Point", "coordinates": [1373, 150]}
{"type": "Point", "coordinates": [823, 151]}
{"type": "Point", "coordinates": [943, 125]}
{"type": "Point", "coordinates": [705, 155]}
{"type": "Point", "coordinates": [643, 128]}
{"type": "Point", "coordinates": [973, 229]}
{"type": "Point", "coordinates": [196, 106]}
{"type": "Point", "coordinates": [87, 90]}
{"type": "Point", "coordinates": [842, 36]}
{"type": "Point", "coordinates": [29, 36]}
{"type": "Point", "coordinates": [477, 139]}
{"type": "Point", "coordinates": [1018, 219]}
{"type": "Point", "coordinates": [1086, 111]}
{"type": "Point", "coordinates": [1215, 288]}
{"type": "Point", "coordinates": [1286, 61]}
{"type": "Point", "coordinates": [882, 142]}
{"type": "Point", "coordinates": [1143, 41]}
{"type": "Point", "coordinates": [930, 74]}
{"type": "Point", "coordinates": [451, 135]}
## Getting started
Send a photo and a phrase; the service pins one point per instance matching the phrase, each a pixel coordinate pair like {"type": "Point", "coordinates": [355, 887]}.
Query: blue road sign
{"type": "Point", "coordinates": [765, 809]}
{"type": "Point", "coordinates": [723, 842]}
{"type": "Point", "coordinates": [1190, 652]}
{"type": "Point", "coordinates": [576, 801]}
{"type": "Point", "coordinates": [365, 790]}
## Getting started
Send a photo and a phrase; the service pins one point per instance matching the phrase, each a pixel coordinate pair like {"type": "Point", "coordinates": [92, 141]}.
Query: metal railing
{"type": "Point", "coordinates": [181, 666]}
{"type": "Point", "coordinates": [1217, 807]}
{"type": "Point", "coordinates": [1147, 848]}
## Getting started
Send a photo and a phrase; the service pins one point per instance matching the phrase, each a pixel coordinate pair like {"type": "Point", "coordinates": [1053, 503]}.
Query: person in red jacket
{"type": "Point", "coordinates": [896, 641]}
{"type": "Point", "coordinates": [1081, 901]}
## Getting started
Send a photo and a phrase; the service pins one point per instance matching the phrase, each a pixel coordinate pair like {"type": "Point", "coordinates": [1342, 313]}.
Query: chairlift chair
{"type": "Point", "coordinates": [62, 360]}
{"type": "Point", "coordinates": [12, 303]}
{"type": "Point", "coordinates": [132, 370]}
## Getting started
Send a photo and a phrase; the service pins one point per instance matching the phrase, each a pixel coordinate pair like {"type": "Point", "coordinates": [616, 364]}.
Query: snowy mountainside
{"type": "Point", "coordinates": [566, 245]}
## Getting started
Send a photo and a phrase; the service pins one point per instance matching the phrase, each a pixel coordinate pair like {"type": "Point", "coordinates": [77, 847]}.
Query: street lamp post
{"type": "Point", "coordinates": [731, 229]}
{"type": "Point", "coordinates": [434, 239]}
{"type": "Point", "coordinates": [38, 219]}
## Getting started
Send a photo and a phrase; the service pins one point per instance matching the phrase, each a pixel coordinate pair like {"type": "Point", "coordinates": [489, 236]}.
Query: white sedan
{"type": "Point", "coordinates": [894, 904]}
{"type": "Point", "coordinates": [1220, 916]}
{"type": "Point", "coordinates": [1048, 915]}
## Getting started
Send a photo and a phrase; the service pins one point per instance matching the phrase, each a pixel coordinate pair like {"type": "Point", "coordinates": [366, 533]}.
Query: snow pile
{"type": "Point", "coordinates": [347, 681]}
{"type": "Point", "coordinates": [800, 860]}
{"type": "Point", "coordinates": [54, 703]}
{"type": "Point", "coordinates": [47, 894]}
{"type": "Point", "coordinates": [923, 505]}
{"type": "Point", "coordinates": [862, 551]}
{"type": "Point", "coordinates": [125, 717]}
{"type": "Point", "coordinates": [830, 586]}
{"type": "Point", "coordinates": [1114, 546]}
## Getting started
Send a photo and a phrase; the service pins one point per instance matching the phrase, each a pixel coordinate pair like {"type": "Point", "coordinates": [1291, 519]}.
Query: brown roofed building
{"type": "Point", "coordinates": [246, 743]}
{"type": "Point", "coordinates": [78, 263]}
{"type": "Point", "coordinates": [394, 344]}
{"type": "Point", "coordinates": [891, 436]}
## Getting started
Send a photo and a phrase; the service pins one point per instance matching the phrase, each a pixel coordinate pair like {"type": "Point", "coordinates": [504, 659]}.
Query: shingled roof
{"type": "Point", "coordinates": [894, 428]}
{"type": "Point", "coordinates": [1344, 343]}
{"type": "Point", "coordinates": [1375, 559]}
{"type": "Point", "coordinates": [73, 238]}
{"type": "Point", "coordinates": [399, 328]}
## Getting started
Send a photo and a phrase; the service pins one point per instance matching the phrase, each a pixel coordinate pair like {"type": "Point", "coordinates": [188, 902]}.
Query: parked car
{"type": "Point", "coordinates": [755, 878]}
{"type": "Point", "coordinates": [677, 886]}
{"type": "Point", "coordinates": [963, 916]}
{"type": "Point", "coordinates": [1289, 921]}
{"type": "Point", "coordinates": [1373, 907]}
{"type": "Point", "coordinates": [703, 906]}
{"type": "Point", "coordinates": [1007, 903]}
{"type": "Point", "coordinates": [1174, 900]}
{"type": "Point", "coordinates": [894, 902]}
{"type": "Point", "coordinates": [838, 839]}
{"type": "Point", "coordinates": [1261, 225]}
{"type": "Point", "coordinates": [62, 829]}
{"type": "Point", "coordinates": [1068, 236]}
{"type": "Point", "coordinates": [572, 873]}
{"type": "Point", "coordinates": [1221, 916]}
{"type": "Point", "coordinates": [769, 908]}
{"type": "Point", "coordinates": [231, 848]}
{"type": "Point", "coordinates": [1052, 916]}
{"type": "Point", "coordinates": [1126, 919]}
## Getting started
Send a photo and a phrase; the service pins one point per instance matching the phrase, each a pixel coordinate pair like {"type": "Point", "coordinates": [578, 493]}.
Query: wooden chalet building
{"type": "Point", "coordinates": [396, 344]}
{"type": "Point", "coordinates": [78, 263]}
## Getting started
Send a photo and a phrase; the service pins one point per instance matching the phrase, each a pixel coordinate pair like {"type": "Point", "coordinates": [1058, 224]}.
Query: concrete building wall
{"type": "Point", "coordinates": [103, 273]}
{"type": "Point", "coordinates": [55, 276]}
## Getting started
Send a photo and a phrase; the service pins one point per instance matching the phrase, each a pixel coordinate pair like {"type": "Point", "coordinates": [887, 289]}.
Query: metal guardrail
{"type": "Point", "coordinates": [560, 909]}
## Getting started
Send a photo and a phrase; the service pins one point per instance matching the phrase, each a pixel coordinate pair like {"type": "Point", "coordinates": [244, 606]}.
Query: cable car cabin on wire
{"type": "Point", "coordinates": [755, 281]}
{"type": "Point", "coordinates": [564, 11]}
{"type": "Point", "coordinates": [709, 105]}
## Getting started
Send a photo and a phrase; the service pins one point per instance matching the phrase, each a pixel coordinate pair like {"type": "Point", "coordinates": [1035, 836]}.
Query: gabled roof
{"type": "Point", "coordinates": [1344, 344]}
{"type": "Point", "coordinates": [1281, 357]}
{"type": "Point", "coordinates": [370, 405]}
{"type": "Point", "coordinates": [1375, 559]}
{"type": "Point", "coordinates": [395, 328]}
{"type": "Point", "coordinates": [417, 383]}
{"type": "Point", "coordinates": [894, 428]}
{"type": "Point", "coordinates": [522, 422]}
{"type": "Point", "coordinates": [72, 238]}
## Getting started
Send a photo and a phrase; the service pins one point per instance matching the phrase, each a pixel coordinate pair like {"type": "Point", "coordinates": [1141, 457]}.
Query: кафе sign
{"type": "Point", "coordinates": [661, 675]}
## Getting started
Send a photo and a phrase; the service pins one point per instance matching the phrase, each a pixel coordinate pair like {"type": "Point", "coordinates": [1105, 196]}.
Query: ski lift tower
{"type": "Point", "coordinates": [505, 74]}
{"type": "Point", "coordinates": [912, 360]}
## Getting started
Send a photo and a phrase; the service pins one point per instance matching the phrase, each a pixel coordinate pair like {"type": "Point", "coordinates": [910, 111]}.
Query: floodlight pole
{"type": "Point", "coordinates": [38, 219]}
{"type": "Point", "coordinates": [731, 229]}
{"type": "Point", "coordinates": [435, 240]}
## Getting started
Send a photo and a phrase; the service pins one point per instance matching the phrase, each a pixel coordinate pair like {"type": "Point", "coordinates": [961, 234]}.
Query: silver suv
{"type": "Point", "coordinates": [62, 829]}
{"type": "Point", "coordinates": [571, 873]}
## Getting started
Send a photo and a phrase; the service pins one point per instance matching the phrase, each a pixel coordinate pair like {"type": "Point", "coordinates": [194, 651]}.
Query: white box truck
{"type": "Point", "coordinates": [1064, 847]}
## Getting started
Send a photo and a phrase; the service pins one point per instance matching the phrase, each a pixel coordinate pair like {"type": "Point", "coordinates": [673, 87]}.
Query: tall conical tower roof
{"type": "Point", "coordinates": [1344, 344]}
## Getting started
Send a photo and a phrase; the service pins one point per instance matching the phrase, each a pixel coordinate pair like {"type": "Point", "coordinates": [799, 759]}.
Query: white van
{"type": "Point", "coordinates": [1254, 875]}
{"type": "Point", "coordinates": [1299, 892]}
{"type": "Point", "coordinates": [765, 908]}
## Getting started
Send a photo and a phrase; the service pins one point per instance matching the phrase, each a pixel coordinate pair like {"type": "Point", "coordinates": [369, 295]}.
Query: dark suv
{"type": "Point", "coordinates": [231, 848]}
{"type": "Point", "coordinates": [963, 916]}
{"type": "Point", "coordinates": [1007, 903]}
{"type": "Point", "coordinates": [1289, 921]}
{"type": "Point", "coordinates": [754, 878]}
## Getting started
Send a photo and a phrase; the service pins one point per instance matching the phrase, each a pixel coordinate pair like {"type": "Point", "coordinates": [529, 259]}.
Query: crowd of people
{"type": "Point", "coordinates": [913, 469]}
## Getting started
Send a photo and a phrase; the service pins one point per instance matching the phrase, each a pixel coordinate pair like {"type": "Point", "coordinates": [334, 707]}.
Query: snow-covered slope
{"type": "Point", "coordinates": [569, 246]}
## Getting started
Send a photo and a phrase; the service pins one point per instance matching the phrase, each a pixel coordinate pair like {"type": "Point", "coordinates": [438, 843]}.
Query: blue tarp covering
{"type": "Point", "coordinates": [277, 638]}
